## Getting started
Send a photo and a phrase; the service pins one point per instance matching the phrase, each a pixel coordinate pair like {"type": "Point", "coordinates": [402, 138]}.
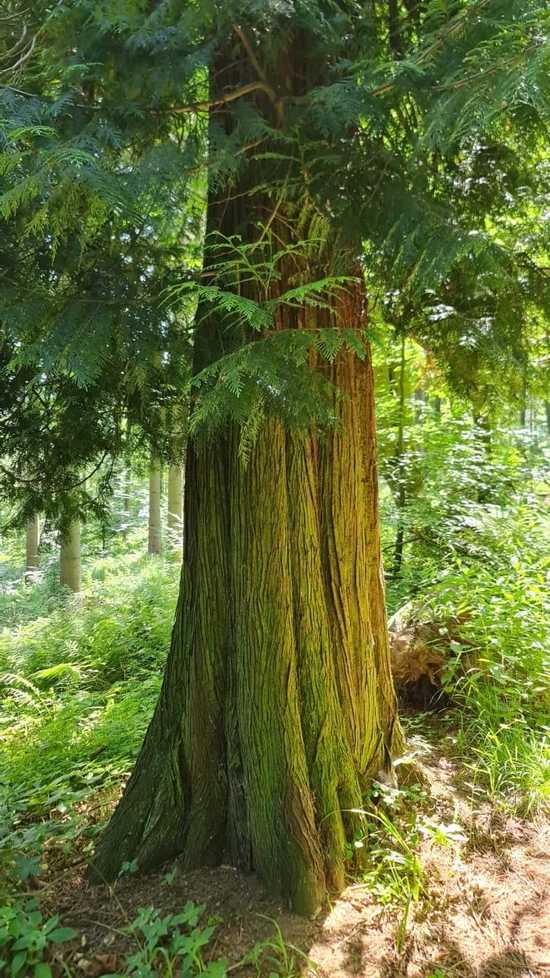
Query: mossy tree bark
{"type": "Point", "coordinates": [277, 706]}
{"type": "Point", "coordinates": [69, 557]}
{"type": "Point", "coordinates": [155, 531]}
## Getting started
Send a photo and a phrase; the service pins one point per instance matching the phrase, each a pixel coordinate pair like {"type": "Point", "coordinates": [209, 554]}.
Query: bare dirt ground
{"type": "Point", "coordinates": [485, 912]}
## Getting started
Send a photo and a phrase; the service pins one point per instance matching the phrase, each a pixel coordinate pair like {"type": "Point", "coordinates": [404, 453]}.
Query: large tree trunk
{"type": "Point", "coordinates": [32, 544]}
{"type": "Point", "coordinates": [277, 706]}
{"type": "Point", "coordinates": [155, 532]}
{"type": "Point", "coordinates": [69, 558]}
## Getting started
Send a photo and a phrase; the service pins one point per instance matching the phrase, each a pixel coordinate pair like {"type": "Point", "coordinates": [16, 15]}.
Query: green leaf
{"type": "Point", "coordinates": [216, 969]}
{"type": "Point", "coordinates": [42, 970]}
{"type": "Point", "coordinates": [17, 963]}
{"type": "Point", "coordinates": [26, 867]}
{"type": "Point", "coordinates": [62, 934]}
{"type": "Point", "coordinates": [56, 672]}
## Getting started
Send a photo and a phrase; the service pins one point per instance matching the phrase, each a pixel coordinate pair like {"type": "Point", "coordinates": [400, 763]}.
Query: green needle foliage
{"type": "Point", "coordinates": [421, 137]}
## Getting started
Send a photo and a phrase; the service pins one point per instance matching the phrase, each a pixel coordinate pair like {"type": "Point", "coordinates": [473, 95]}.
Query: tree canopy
{"type": "Point", "coordinates": [415, 135]}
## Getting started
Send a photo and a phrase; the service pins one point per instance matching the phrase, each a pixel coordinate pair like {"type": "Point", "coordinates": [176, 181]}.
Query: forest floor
{"type": "Point", "coordinates": [454, 884]}
{"type": "Point", "coordinates": [477, 906]}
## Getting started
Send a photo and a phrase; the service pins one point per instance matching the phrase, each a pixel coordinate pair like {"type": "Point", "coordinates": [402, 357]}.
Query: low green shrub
{"type": "Point", "coordinates": [477, 549]}
{"type": "Point", "coordinates": [26, 938]}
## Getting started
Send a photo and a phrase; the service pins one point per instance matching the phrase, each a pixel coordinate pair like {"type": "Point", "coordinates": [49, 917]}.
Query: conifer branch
{"type": "Point", "coordinates": [250, 52]}
{"type": "Point", "coordinates": [21, 60]}
{"type": "Point", "coordinates": [486, 72]}
{"type": "Point", "coordinates": [437, 44]}
{"type": "Point", "coordinates": [7, 17]}
{"type": "Point", "coordinates": [17, 46]}
{"type": "Point", "coordinates": [73, 485]}
{"type": "Point", "coordinates": [230, 97]}
{"type": "Point", "coordinates": [275, 99]}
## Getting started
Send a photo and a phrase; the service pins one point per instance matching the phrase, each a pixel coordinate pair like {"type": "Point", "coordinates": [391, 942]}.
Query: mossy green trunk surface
{"type": "Point", "coordinates": [277, 706]}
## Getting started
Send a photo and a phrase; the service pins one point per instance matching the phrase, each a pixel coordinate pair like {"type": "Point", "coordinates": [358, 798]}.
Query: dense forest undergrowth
{"type": "Point", "coordinates": [457, 844]}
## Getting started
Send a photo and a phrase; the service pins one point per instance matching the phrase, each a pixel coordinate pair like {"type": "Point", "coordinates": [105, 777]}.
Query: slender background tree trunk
{"type": "Point", "coordinates": [175, 505]}
{"type": "Point", "coordinates": [400, 465]}
{"type": "Point", "coordinates": [32, 544]}
{"type": "Point", "coordinates": [126, 479]}
{"type": "Point", "coordinates": [69, 558]}
{"type": "Point", "coordinates": [155, 533]}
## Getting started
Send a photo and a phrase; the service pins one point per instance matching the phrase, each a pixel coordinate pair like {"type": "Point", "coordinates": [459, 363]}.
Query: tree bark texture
{"type": "Point", "coordinates": [32, 544]}
{"type": "Point", "coordinates": [277, 706]}
{"type": "Point", "coordinates": [155, 532]}
{"type": "Point", "coordinates": [69, 558]}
